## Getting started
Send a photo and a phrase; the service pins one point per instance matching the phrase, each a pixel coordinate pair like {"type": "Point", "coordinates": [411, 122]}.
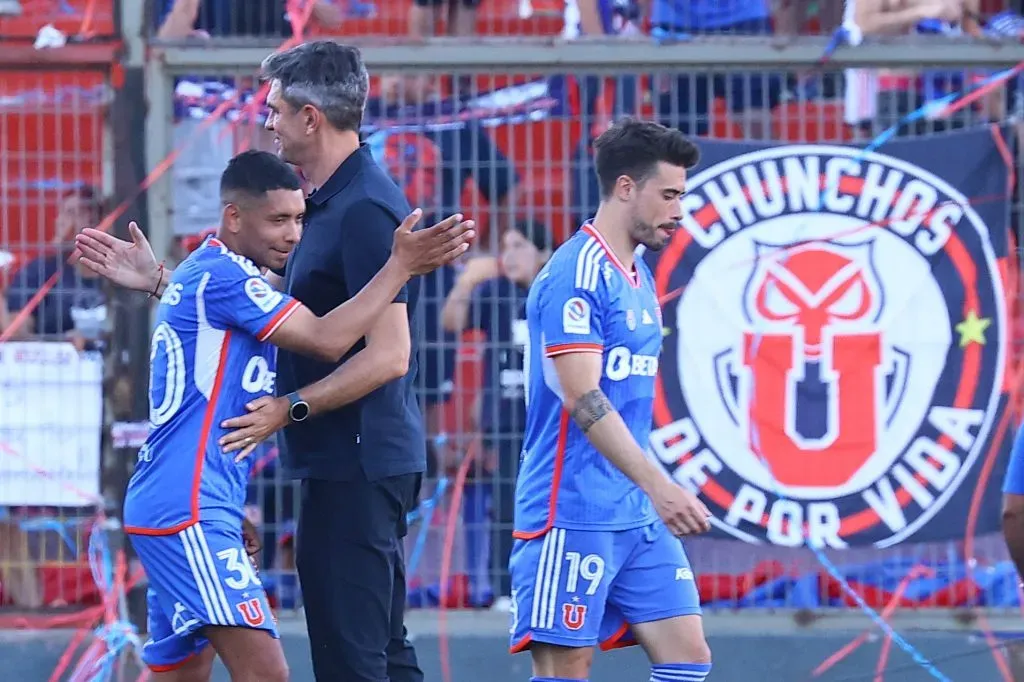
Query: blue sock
{"type": "Point", "coordinates": [680, 672]}
{"type": "Point", "coordinates": [553, 679]}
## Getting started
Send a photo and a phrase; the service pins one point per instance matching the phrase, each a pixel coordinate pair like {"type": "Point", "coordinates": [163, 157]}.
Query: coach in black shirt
{"type": "Point", "coordinates": [354, 432]}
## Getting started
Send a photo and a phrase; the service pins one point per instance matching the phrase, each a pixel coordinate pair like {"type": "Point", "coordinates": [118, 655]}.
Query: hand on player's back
{"type": "Point", "coordinates": [680, 509]}
{"type": "Point", "coordinates": [422, 251]}
{"type": "Point", "coordinates": [128, 264]}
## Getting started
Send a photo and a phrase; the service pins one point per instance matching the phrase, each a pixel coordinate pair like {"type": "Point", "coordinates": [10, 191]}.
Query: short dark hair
{"type": "Point", "coordinates": [633, 147]}
{"type": "Point", "coordinates": [326, 75]}
{"type": "Point", "coordinates": [90, 196]}
{"type": "Point", "coordinates": [535, 232]}
{"type": "Point", "coordinates": [253, 174]}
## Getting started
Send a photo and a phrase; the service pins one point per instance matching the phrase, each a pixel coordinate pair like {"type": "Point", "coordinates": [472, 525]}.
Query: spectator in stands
{"type": "Point", "coordinates": [424, 15]}
{"type": "Point", "coordinates": [435, 382]}
{"type": "Point", "coordinates": [418, 137]}
{"type": "Point", "coordinates": [182, 19]}
{"type": "Point", "coordinates": [791, 16]}
{"type": "Point", "coordinates": [878, 98]}
{"type": "Point", "coordinates": [490, 296]}
{"type": "Point", "coordinates": [685, 101]}
{"type": "Point", "coordinates": [75, 308]}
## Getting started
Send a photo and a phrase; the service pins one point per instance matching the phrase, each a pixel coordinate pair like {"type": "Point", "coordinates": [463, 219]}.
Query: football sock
{"type": "Point", "coordinates": [680, 672]}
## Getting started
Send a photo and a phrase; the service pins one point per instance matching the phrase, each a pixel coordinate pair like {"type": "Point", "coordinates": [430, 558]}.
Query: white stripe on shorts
{"type": "Point", "coordinates": [205, 576]}
{"type": "Point", "coordinates": [545, 589]}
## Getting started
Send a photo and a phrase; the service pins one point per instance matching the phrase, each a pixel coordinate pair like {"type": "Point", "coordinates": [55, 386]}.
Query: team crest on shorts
{"type": "Point", "coordinates": [834, 346]}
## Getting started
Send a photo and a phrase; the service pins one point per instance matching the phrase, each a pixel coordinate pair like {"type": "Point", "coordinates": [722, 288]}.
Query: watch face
{"type": "Point", "coordinates": [299, 411]}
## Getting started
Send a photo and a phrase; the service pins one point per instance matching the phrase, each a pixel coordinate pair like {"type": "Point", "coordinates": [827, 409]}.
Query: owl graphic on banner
{"type": "Point", "coordinates": [834, 357]}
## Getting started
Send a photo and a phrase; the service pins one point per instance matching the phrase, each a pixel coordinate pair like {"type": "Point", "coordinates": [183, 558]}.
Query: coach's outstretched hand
{"type": "Point", "coordinates": [422, 251]}
{"type": "Point", "coordinates": [680, 509]}
{"type": "Point", "coordinates": [131, 265]}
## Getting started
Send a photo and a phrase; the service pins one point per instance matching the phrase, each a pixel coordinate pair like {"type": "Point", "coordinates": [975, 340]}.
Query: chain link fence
{"type": "Point", "coordinates": [503, 133]}
{"type": "Point", "coordinates": [53, 179]}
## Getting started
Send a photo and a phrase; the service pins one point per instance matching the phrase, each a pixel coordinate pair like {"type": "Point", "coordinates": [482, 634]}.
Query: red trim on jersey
{"type": "Point", "coordinates": [564, 348]}
{"type": "Point", "coordinates": [276, 321]}
{"type": "Point", "coordinates": [204, 435]}
{"type": "Point", "coordinates": [633, 276]}
{"type": "Point", "coordinates": [556, 481]}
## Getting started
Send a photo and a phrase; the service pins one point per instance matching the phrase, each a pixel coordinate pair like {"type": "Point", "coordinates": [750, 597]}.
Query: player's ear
{"type": "Point", "coordinates": [231, 218]}
{"type": "Point", "coordinates": [625, 187]}
{"type": "Point", "coordinates": [310, 118]}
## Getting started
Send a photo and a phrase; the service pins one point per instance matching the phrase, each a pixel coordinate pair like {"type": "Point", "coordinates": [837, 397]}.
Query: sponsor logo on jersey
{"type": "Point", "coordinates": [262, 294]}
{"type": "Point", "coordinates": [630, 320]}
{"type": "Point", "coordinates": [576, 316]}
{"type": "Point", "coordinates": [622, 364]}
{"type": "Point", "coordinates": [834, 356]}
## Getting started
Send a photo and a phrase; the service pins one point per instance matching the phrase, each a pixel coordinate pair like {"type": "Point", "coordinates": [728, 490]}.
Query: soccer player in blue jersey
{"type": "Point", "coordinates": [1013, 533]}
{"type": "Point", "coordinates": [1013, 503]}
{"type": "Point", "coordinates": [213, 351]}
{"type": "Point", "coordinates": [597, 559]}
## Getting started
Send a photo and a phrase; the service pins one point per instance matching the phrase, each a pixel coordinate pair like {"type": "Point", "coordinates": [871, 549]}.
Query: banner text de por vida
{"type": "Point", "coordinates": [925, 470]}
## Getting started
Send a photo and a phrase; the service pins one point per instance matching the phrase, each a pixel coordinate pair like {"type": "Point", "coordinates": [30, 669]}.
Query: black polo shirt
{"type": "Point", "coordinates": [346, 240]}
{"type": "Point", "coordinates": [498, 308]}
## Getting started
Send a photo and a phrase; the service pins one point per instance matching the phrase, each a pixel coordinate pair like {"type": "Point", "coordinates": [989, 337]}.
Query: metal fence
{"type": "Point", "coordinates": [501, 131]}
{"type": "Point", "coordinates": [54, 180]}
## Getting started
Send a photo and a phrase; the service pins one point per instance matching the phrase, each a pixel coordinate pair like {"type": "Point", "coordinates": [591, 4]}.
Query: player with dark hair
{"type": "Point", "coordinates": [212, 353]}
{"type": "Point", "coordinates": [593, 563]}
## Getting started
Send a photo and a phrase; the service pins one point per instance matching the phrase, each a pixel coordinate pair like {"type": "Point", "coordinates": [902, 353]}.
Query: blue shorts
{"type": "Point", "coordinates": [578, 588]}
{"type": "Point", "coordinates": [198, 577]}
{"type": "Point", "coordinates": [1014, 482]}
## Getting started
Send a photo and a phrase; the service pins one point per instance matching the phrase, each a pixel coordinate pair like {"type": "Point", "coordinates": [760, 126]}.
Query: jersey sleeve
{"type": "Point", "coordinates": [572, 308]}
{"type": "Point", "coordinates": [239, 297]}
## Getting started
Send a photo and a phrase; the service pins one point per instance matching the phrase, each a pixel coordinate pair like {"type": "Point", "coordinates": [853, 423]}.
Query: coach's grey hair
{"type": "Point", "coordinates": [325, 75]}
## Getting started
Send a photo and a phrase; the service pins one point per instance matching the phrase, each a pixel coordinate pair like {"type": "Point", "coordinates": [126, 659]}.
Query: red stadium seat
{"type": "Point", "coordinates": [723, 127]}
{"type": "Point", "coordinates": [52, 127]}
{"type": "Point", "coordinates": [541, 152]}
{"type": "Point", "coordinates": [812, 121]}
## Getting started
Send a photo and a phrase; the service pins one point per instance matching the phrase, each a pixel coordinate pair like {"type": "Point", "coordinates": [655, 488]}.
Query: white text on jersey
{"type": "Point", "coordinates": [622, 364]}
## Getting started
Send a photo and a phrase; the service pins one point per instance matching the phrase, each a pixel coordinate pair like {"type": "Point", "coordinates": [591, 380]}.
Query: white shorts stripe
{"type": "Point", "coordinates": [556, 578]}
{"type": "Point", "coordinates": [212, 614]}
{"type": "Point", "coordinates": [541, 581]}
{"type": "Point", "coordinates": [214, 575]}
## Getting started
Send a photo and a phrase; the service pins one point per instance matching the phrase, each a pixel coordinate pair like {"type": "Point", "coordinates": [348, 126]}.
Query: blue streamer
{"type": "Point", "coordinates": [119, 636]}
{"type": "Point", "coordinates": [930, 108]}
{"type": "Point", "coordinates": [428, 507]}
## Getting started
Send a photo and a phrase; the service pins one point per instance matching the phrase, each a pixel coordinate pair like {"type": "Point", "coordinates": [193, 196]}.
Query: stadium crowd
{"type": "Point", "coordinates": [472, 315]}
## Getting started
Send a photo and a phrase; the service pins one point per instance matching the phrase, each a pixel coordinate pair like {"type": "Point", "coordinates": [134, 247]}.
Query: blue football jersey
{"type": "Point", "coordinates": [208, 358]}
{"type": "Point", "coordinates": [584, 300]}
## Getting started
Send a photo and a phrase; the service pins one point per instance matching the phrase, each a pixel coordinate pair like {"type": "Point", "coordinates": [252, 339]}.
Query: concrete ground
{"type": "Point", "coordinates": [747, 648]}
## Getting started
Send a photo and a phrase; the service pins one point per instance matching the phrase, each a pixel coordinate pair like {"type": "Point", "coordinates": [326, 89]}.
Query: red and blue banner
{"type": "Point", "coordinates": [835, 368]}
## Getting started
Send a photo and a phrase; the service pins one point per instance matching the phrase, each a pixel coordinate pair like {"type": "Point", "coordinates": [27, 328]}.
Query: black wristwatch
{"type": "Point", "coordinates": [299, 409]}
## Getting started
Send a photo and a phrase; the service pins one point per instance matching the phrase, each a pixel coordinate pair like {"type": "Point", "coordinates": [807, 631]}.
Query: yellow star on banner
{"type": "Point", "coordinates": [665, 331]}
{"type": "Point", "coordinates": [972, 329]}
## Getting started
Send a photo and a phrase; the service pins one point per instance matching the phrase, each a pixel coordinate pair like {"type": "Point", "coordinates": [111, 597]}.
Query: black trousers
{"type": "Point", "coordinates": [351, 567]}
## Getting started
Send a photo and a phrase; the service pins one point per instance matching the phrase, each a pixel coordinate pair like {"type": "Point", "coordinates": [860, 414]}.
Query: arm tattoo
{"type": "Point", "coordinates": [590, 409]}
